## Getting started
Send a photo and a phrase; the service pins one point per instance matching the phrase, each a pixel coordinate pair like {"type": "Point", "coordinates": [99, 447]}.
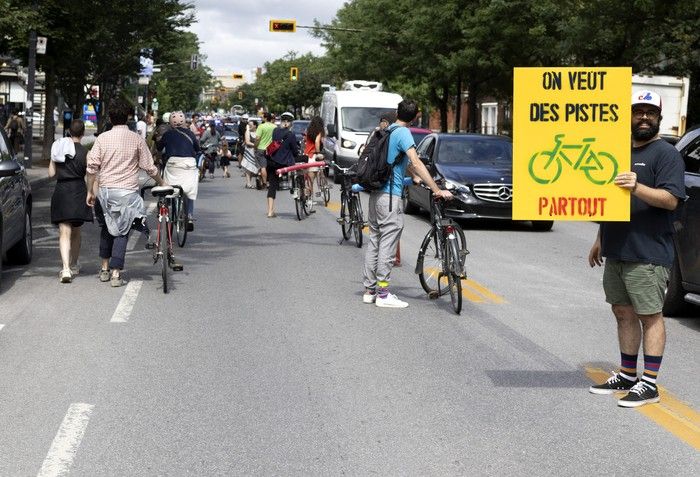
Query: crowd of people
{"type": "Point", "coordinates": [171, 150]}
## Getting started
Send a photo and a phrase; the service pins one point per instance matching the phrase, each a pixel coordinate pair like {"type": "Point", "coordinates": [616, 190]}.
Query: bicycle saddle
{"type": "Point", "coordinates": [162, 191]}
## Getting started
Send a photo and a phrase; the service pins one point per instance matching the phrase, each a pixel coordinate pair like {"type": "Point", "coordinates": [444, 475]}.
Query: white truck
{"type": "Point", "coordinates": [674, 92]}
{"type": "Point", "coordinates": [350, 115]}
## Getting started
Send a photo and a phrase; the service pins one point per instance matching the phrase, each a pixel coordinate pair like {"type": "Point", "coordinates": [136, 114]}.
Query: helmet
{"type": "Point", "coordinates": [166, 117]}
{"type": "Point", "coordinates": [177, 119]}
{"type": "Point", "coordinates": [287, 116]}
{"type": "Point", "coordinates": [646, 97]}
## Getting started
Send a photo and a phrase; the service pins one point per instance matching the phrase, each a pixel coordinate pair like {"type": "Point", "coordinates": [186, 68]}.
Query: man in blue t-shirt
{"type": "Point", "coordinates": [385, 222]}
{"type": "Point", "coordinates": [639, 253]}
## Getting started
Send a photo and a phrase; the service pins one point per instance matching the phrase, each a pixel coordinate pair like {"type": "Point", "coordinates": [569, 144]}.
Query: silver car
{"type": "Point", "coordinates": [15, 208]}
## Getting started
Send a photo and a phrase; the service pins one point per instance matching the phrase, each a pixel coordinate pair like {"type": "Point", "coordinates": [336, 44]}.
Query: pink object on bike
{"type": "Point", "coordinates": [303, 165]}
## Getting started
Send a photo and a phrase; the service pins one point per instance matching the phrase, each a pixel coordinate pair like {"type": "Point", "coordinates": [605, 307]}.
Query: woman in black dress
{"type": "Point", "coordinates": [69, 209]}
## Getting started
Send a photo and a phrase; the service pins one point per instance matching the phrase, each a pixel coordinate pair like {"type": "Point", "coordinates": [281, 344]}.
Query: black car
{"type": "Point", "coordinates": [299, 128]}
{"type": "Point", "coordinates": [479, 169]}
{"type": "Point", "coordinates": [684, 281]}
{"type": "Point", "coordinates": [15, 208]}
{"type": "Point", "coordinates": [231, 137]}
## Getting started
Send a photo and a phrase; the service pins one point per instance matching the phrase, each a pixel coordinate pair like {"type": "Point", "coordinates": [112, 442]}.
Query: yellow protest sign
{"type": "Point", "coordinates": [571, 137]}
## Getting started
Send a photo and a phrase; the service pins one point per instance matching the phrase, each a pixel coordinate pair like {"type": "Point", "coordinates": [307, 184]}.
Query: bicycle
{"type": "Point", "coordinates": [351, 219]}
{"type": "Point", "coordinates": [163, 246]}
{"type": "Point", "coordinates": [323, 189]}
{"type": "Point", "coordinates": [299, 186]}
{"type": "Point", "coordinates": [442, 255]}
{"type": "Point", "coordinates": [178, 217]}
{"type": "Point", "coordinates": [600, 168]}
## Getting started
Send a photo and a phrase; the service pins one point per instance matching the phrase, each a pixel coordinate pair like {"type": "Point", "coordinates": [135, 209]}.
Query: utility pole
{"type": "Point", "coordinates": [29, 105]}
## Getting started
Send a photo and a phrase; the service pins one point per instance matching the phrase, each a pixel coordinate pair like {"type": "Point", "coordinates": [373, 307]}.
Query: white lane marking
{"type": "Point", "coordinates": [65, 445]}
{"type": "Point", "coordinates": [126, 304]}
{"type": "Point", "coordinates": [131, 244]}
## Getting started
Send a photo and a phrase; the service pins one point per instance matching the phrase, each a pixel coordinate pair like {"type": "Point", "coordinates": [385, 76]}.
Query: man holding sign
{"type": "Point", "coordinates": [639, 253]}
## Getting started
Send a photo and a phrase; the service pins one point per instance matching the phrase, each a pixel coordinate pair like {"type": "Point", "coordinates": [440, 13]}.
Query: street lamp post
{"type": "Point", "coordinates": [29, 105]}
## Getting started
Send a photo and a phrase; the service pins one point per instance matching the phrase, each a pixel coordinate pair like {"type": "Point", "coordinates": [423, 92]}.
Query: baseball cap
{"type": "Point", "coordinates": [646, 97]}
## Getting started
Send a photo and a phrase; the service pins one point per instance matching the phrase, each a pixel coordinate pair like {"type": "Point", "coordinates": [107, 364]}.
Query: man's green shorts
{"type": "Point", "coordinates": [641, 285]}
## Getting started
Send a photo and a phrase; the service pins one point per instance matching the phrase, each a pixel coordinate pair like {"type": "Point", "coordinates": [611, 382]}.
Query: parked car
{"type": "Point", "coordinates": [15, 208]}
{"type": "Point", "coordinates": [684, 281]}
{"type": "Point", "coordinates": [479, 168]}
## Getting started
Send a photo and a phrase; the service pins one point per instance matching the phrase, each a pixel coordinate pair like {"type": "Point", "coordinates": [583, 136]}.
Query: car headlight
{"type": "Point", "coordinates": [456, 187]}
{"type": "Point", "coordinates": [348, 144]}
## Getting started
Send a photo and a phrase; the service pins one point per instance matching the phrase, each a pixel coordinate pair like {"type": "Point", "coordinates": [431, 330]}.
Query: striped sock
{"type": "Point", "coordinates": [628, 366]}
{"type": "Point", "coordinates": [651, 368]}
{"type": "Point", "coordinates": [382, 289]}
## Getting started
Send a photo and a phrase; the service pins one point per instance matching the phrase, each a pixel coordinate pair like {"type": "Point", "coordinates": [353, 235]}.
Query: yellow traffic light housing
{"type": "Point", "coordinates": [237, 76]}
{"type": "Point", "coordinates": [283, 26]}
{"type": "Point", "coordinates": [293, 73]}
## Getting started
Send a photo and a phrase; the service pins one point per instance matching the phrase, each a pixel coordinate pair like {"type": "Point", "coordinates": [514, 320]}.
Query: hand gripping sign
{"type": "Point", "coordinates": [571, 139]}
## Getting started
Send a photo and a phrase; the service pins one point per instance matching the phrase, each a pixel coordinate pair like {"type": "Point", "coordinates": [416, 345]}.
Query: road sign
{"type": "Point", "coordinates": [571, 137]}
{"type": "Point", "coordinates": [283, 26]}
{"type": "Point", "coordinates": [41, 45]}
{"type": "Point", "coordinates": [154, 104]}
{"type": "Point", "coordinates": [194, 61]}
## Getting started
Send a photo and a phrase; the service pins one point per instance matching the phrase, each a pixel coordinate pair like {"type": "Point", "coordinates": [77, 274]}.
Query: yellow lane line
{"type": "Point", "coordinates": [466, 293]}
{"type": "Point", "coordinates": [671, 413]}
{"type": "Point", "coordinates": [484, 291]}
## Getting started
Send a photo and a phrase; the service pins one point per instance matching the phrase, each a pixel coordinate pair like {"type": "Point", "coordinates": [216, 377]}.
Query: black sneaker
{"type": "Point", "coordinates": [641, 393]}
{"type": "Point", "coordinates": [615, 383]}
{"type": "Point", "coordinates": [190, 225]}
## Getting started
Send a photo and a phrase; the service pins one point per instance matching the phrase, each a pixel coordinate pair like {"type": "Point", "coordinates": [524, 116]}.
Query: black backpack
{"type": "Point", "coordinates": [373, 169]}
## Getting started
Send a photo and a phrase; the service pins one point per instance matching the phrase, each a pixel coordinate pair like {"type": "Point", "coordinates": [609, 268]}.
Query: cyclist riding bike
{"type": "Point", "coordinates": [313, 145]}
{"type": "Point", "coordinates": [210, 144]}
{"type": "Point", "coordinates": [181, 147]}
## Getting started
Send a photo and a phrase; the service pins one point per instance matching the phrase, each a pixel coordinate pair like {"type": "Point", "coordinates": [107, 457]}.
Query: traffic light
{"type": "Point", "coordinates": [283, 26]}
{"type": "Point", "coordinates": [238, 76]}
{"type": "Point", "coordinates": [240, 95]}
{"type": "Point", "coordinates": [293, 73]}
{"type": "Point", "coordinates": [194, 61]}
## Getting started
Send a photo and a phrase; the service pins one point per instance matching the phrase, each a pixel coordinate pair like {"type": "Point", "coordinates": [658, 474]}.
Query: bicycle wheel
{"type": "Point", "coordinates": [309, 202]}
{"type": "Point", "coordinates": [543, 168]}
{"type": "Point", "coordinates": [345, 216]}
{"type": "Point", "coordinates": [600, 168]}
{"type": "Point", "coordinates": [164, 255]}
{"type": "Point", "coordinates": [300, 199]}
{"type": "Point", "coordinates": [324, 187]}
{"type": "Point", "coordinates": [180, 206]}
{"type": "Point", "coordinates": [356, 219]}
{"type": "Point", "coordinates": [454, 282]}
{"type": "Point", "coordinates": [430, 265]}
{"type": "Point", "coordinates": [462, 252]}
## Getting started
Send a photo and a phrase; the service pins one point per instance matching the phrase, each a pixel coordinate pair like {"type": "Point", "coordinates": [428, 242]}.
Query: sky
{"type": "Point", "coordinates": [235, 36]}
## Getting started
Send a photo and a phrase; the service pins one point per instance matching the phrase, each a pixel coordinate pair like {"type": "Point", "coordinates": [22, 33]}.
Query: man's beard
{"type": "Point", "coordinates": [645, 134]}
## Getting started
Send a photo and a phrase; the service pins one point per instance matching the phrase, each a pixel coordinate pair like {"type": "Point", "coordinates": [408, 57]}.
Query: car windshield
{"type": "Point", "coordinates": [363, 119]}
{"type": "Point", "coordinates": [475, 151]}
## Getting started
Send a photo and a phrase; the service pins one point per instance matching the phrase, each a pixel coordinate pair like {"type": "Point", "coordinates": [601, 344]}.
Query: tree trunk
{"type": "Point", "coordinates": [458, 105]}
{"type": "Point", "coordinates": [444, 106]}
{"type": "Point", "coordinates": [473, 110]}
{"type": "Point", "coordinates": [49, 105]}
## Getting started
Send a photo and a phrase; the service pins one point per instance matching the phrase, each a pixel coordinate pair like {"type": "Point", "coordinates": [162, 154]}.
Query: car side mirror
{"type": "Point", "coordinates": [9, 168]}
{"type": "Point", "coordinates": [332, 131]}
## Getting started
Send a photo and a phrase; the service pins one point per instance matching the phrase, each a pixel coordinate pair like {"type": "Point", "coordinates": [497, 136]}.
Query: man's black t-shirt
{"type": "Point", "coordinates": [647, 237]}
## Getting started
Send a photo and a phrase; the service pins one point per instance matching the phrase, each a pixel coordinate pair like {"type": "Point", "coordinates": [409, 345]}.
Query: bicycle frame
{"type": "Point", "coordinates": [559, 148]}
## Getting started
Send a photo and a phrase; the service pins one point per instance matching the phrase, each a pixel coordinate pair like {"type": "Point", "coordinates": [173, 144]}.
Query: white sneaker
{"type": "Point", "coordinates": [369, 298]}
{"type": "Point", "coordinates": [391, 301]}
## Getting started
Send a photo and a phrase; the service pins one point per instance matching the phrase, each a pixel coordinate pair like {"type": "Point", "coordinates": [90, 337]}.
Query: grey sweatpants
{"type": "Point", "coordinates": [384, 233]}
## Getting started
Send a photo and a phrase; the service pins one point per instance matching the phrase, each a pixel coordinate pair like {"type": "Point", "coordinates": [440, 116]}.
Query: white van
{"type": "Point", "coordinates": [349, 117]}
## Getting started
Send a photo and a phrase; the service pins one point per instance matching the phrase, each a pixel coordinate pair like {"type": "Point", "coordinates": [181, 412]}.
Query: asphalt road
{"type": "Point", "coordinates": [263, 360]}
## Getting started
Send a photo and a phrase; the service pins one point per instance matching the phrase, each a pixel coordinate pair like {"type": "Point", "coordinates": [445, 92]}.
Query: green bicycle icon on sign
{"type": "Point", "coordinates": [599, 167]}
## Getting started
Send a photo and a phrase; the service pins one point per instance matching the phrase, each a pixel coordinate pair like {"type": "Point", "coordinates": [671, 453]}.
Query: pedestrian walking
{"type": "Point", "coordinates": [114, 161]}
{"type": "Point", "coordinates": [283, 157]}
{"type": "Point", "coordinates": [263, 139]}
{"type": "Point", "coordinates": [249, 164]}
{"type": "Point", "coordinates": [225, 157]}
{"type": "Point", "coordinates": [385, 209]}
{"type": "Point", "coordinates": [69, 210]}
{"type": "Point", "coordinates": [15, 131]}
{"type": "Point", "coordinates": [639, 253]}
